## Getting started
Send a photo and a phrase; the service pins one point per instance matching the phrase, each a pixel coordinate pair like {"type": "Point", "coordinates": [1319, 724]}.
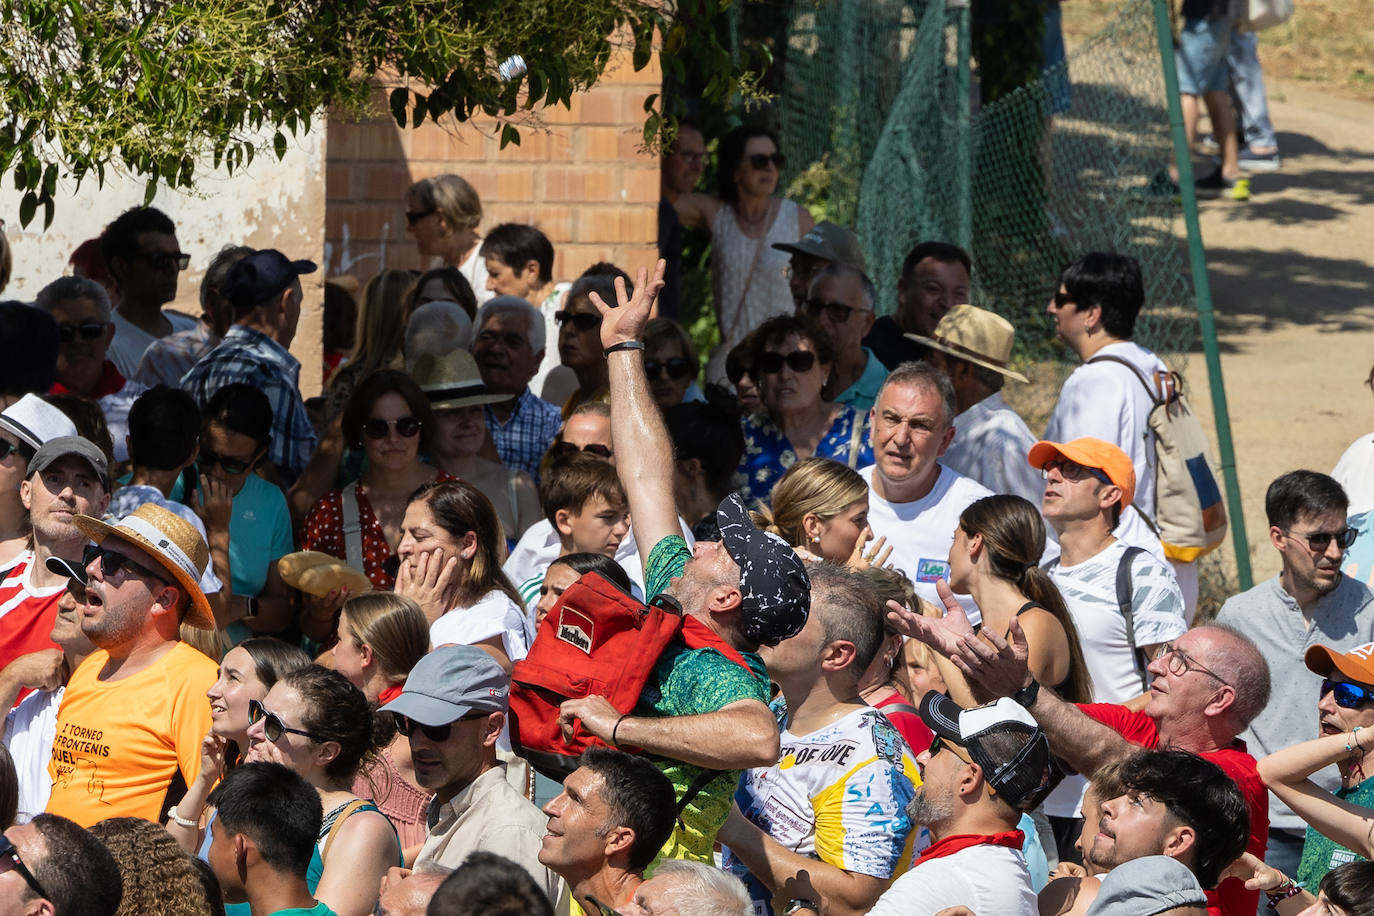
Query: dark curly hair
{"type": "Point", "coordinates": [159, 877]}
{"type": "Point", "coordinates": [337, 711]}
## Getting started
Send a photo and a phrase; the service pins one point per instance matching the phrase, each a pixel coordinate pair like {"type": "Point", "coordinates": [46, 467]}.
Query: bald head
{"type": "Point", "coordinates": [411, 896]}
{"type": "Point", "coordinates": [1238, 662]}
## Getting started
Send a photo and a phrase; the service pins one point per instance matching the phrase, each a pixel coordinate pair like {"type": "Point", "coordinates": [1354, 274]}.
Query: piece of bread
{"type": "Point", "coordinates": [318, 573]}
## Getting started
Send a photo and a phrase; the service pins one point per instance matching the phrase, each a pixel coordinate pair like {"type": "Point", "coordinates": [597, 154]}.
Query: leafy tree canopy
{"type": "Point", "coordinates": [152, 88]}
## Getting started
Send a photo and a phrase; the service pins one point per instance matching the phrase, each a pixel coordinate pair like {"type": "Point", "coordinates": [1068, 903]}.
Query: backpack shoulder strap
{"type": "Point", "coordinates": [1124, 597]}
{"type": "Point", "coordinates": [349, 809]}
{"type": "Point", "coordinates": [1135, 370]}
{"type": "Point", "coordinates": [352, 528]}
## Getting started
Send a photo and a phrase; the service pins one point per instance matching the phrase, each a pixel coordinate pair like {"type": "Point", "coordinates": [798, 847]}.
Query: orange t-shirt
{"type": "Point", "coordinates": [121, 744]}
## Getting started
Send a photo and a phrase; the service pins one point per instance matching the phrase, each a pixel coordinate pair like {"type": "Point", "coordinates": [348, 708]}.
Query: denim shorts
{"type": "Point", "coordinates": [1201, 56]}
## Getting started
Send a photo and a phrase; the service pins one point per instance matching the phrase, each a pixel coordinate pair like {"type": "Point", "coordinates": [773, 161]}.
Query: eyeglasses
{"type": "Point", "coordinates": [231, 466]}
{"type": "Point", "coordinates": [561, 450]}
{"type": "Point", "coordinates": [161, 260]}
{"type": "Point", "coordinates": [1180, 663]}
{"type": "Point", "coordinates": [272, 726]}
{"type": "Point", "coordinates": [771, 362]}
{"type": "Point", "coordinates": [837, 312]}
{"type": "Point", "coordinates": [9, 852]}
{"type": "Point", "coordinates": [736, 373]}
{"type": "Point", "coordinates": [414, 216]}
{"type": "Point", "coordinates": [1318, 541]}
{"type": "Point", "coordinates": [938, 744]}
{"type": "Point", "coordinates": [7, 448]}
{"type": "Point", "coordinates": [1348, 695]}
{"type": "Point", "coordinates": [112, 562]}
{"type": "Point", "coordinates": [677, 368]}
{"type": "Point", "coordinates": [583, 321]}
{"type": "Point", "coordinates": [1072, 470]}
{"type": "Point", "coordinates": [406, 725]}
{"type": "Point", "coordinates": [86, 330]}
{"type": "Point", "coordinates": [760, 161]}
{"type": "Point", "coordinates": [1062, 299]}
{"type": "Point", "coordinates": [376, 428]}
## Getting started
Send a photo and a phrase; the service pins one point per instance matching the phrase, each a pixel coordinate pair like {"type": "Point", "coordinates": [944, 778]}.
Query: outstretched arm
{"type": "Point", "coordinates": [737, 736]}
{"type": "Point", "coordinates": [644, 453]}
{"type": "Point", "coordinates": [1286, 774]}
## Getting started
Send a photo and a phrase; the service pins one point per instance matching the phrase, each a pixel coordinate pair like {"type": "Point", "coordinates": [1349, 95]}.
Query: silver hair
{"type": "Point", "coordinates": [838, 270]}
{"type": "Point", "coordinates": [64, 288]}
{"type": "Point", "coordinates": [699, 889]}
{"type": "Point", "coordinates": [437, 328]}
{"type": "Point", "coordinates": [514, 305]}
{"type": "Point", "coordinates": [913, 373]}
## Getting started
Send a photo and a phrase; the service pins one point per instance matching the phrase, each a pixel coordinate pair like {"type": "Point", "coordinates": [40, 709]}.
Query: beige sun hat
{"type": "Point", "coordinates": [977, 336]}
{"type": "Point", "coordinates": [171, 542]}
{"type": "Point", "coordinates": [452, 380]}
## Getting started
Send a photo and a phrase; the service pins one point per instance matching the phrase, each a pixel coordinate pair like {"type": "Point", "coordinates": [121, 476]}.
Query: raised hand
{"type": "Point", "coordinates": [862, 559]}
{"type": "Point", "coordinates": [432, 581]}
{"type": "Point", "coordinates": [943, 634]}
{"type": "Point", "coordinates": [626, 319]}
{"type": "Point", "coordinates": [999, 666]}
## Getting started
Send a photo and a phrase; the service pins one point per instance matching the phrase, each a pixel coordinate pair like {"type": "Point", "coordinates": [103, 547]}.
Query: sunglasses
{"type": "Point", "coordinates": [837, 312]}
{"type": "Point", "coordinates": [1348, 696]}
{"type": "Point", "coordinates": [272, 726]}
{"type": "Point", "coordinates": [161, 260]}
{"type": "Point", "coordinates": [406, 726]}
{"type": "Point", "coordinates": [1073, 471]}
{"type": "Point", "coordinates": [7, 448]}
{"type": "Point", "coordinates": [1318, 541]}
{"type": "Point", "coordinates": [583, 321]}
{"type": "Point", "coordinates": [938, 744]}
{"type": "Point", "coordinates": [230, 466]}
{"type": "Point", "coordinates": [677, 368]}
{"type": "Point", "coordinates": [1062, 299]}
{"type": "Point", "coordinates": [414, 216]}
{"type": "Point", "coordinates": [112, 562]}
{"type": "Point", "coordinates": [771, 362]}
{"type": "Point", "coordinates": [9, 852]}
{"type": "Point", "coordinates": [560, 450]}
{"type": "Point", "coordinates": [376, 428]}
{"type": "Point", "coordinates": [736, 373]}
{"type": "Point", "coordinates": [760, 161]}
{"type": "Point", "coordinates": [86, 330]}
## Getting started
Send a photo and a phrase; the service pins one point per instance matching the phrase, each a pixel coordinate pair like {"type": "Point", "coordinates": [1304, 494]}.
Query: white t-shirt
{"type": "Point", "coordinates": [474, 270]}
{"type": "Point", "coordinates": [921, 532]}
{"type": "Point", "coordinates": [539, 546]}
{"type": "Point", "coordinates": [1355, 473]}
{"type": "Point", "coordinates": [989, 880]}
{"type": "Point", "coordinates": [30, 728]}
{"type": "Point", "coordinates": [838, 794]}
{"type": "Point", "coordinates": [991, 445]}
{"type": "Point", "coordinates": [1089, 591]}
{"type": "Point", "coordinates": [494, 614]}
{"type": "Point", "coordinates": [130, 340]}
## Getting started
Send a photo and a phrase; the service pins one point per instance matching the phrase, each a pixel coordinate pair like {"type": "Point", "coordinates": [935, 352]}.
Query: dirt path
{"type": "Point", "coordinates": [1292, 277]}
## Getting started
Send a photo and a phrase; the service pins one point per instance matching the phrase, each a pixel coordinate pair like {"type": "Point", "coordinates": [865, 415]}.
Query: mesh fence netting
{"type": "Point", "coordinates": [871, 116]}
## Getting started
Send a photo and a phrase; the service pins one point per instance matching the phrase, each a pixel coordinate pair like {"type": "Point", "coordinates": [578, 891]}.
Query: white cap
{"type": "Point", "coordinates": [35, 421]}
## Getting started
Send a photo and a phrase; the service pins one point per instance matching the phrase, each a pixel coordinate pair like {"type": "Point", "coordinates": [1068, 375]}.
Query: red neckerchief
{"type": "Point", "coordinates": [110, 382]}
{"type": "Point", "coordinates": [389, 694]}
{"type": "Point", "coordinates": [1014, 839]}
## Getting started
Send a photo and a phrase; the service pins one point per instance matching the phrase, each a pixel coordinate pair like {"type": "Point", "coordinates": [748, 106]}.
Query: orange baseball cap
{"type": "Point", "coordinates": [1356, 665]}
{"type": "Point", "coordinates": [1091, 453]}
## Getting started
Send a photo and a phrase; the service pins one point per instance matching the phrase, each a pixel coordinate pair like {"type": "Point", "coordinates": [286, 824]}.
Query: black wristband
{"type": "Point", "coordinates": [623, 345]}
{"type": "Point", "coordinates": [1027, 694]}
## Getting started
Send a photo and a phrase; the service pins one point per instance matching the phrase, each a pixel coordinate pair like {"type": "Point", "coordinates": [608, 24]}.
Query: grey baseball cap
{"type": "Point", "coordinates": [829, 242]}
{"type": "Point", "coordinates": [451, 682]}
{"type": "Point", "coordinates": [63, 446]}
{"type": "Point", "coordinates": [1145, 887]}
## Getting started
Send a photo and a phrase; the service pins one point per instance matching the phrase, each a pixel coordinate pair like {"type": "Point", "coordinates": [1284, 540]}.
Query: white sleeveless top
{"type": "Point", "coordinates": [732, 255]}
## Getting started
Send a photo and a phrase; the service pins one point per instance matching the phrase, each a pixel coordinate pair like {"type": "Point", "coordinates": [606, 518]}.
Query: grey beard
{"type": "Point", "coordinates": [925, 811]}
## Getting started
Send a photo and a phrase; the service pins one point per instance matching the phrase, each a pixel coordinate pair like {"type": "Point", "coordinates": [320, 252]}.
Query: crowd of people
{"type": "Point", "coordinates": [258, 650]}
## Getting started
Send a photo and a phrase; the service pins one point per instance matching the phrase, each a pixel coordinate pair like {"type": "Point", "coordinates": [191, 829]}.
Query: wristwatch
{"type": "Point", "coordinates": [252, 608]}
{"type": "Point", "coordinates": [1027, 694]}
{"type": "Point", "coordinates": [797, 904]}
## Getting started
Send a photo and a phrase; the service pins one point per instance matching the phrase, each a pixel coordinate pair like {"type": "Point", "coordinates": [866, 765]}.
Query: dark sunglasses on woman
{"type": "Point", "coordinates": [760, 161]}
{"type": "Point", "coordinates": [231, 466]}
{"type": "Point", "coordinates": [583, 321]}
{"type": "Point", "coordinates": [677, 368]}
{"type": "Point", "coordinates": [770, 361]}
{"type": "Point", "coordinates": [377, 428]}
{"type": "Point", "coordinates": [561, 450]}
{"type": "Point", "coordinates": [272, 726]}
{"type": "Point", "coordinates": [736, 372]}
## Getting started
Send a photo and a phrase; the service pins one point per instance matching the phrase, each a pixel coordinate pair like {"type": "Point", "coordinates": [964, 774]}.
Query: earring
{"type": "Point", "coordinates": [815, 538]}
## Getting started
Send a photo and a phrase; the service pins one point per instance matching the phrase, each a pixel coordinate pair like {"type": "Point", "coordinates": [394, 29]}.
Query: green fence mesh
{"type": "Point", "coordinates": [875, 131]}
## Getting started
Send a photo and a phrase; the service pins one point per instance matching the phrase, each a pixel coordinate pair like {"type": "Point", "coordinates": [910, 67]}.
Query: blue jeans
{"type": "Point", "coordinates": [1247, 88]}
{"type": "Point", "coordinates": [1201, 56]}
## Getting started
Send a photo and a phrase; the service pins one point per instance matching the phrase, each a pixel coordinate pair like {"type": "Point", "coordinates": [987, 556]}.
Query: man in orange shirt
{"type": "Point", "coordinates": [131, 722]}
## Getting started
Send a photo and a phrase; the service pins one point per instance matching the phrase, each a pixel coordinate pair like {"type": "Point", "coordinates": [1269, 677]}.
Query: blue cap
{"type": "Point", "coordinates": [261, 276]}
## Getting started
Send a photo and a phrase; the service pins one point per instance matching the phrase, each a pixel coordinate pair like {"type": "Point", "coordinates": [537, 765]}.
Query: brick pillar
{"type": "Point", "coordinates": [578, 175]}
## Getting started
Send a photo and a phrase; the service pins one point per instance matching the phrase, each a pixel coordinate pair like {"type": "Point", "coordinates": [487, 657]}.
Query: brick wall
{"type": "Point", "coordinates": [577, 174]}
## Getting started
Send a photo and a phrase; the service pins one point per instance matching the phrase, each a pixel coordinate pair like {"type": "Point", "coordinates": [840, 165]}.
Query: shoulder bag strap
{"type": "Point", "coordinates": [856, 437]}
{"type": "Point", "coordinates": [352, 528]}
{"type": "Point", "coordinates": [1124, 597]}
{"type": "Point", "coordinates": [1135, 370]}
{"type": "Point", "coordinates": [350, 808]}
{"type": "Point", "coordinates": [749, 278]}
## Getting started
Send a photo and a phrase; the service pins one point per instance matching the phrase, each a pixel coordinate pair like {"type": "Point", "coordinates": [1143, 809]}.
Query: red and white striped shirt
{"type": "Point", "coordinates": [27, 614]}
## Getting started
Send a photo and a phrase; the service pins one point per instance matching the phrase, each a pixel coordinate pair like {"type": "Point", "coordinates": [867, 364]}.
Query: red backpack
{"type": "Point", "coordinates": [596, 641]}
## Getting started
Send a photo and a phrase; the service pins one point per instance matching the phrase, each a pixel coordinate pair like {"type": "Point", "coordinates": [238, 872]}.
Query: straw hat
{"type": "Point", "coordinates": [452, 380]}
{"type": "Point", "coordinates": [977, 336]}
{"type": "Point", "coordinates": [170, 541]}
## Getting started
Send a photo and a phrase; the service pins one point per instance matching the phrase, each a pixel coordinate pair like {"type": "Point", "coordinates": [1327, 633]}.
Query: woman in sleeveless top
{"type": "Point", "coordinates": [996, 559]}
{"type": "Point", "coordinates": [318, 724]}
{"type": "Point", "coordinates": [457, 395]}
{"type": "Point", "coordinates": [748, 275]}
{"type": "Point", "coordinates": [380, 638]}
